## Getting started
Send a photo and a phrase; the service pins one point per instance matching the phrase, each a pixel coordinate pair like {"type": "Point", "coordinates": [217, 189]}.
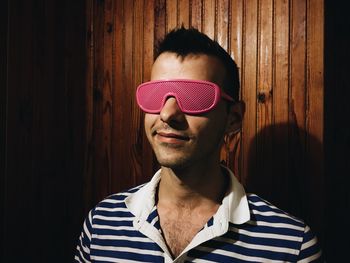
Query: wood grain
{"type": "Point", "coordinates": [171, 15]}
{"type": "Point", "coordinates": [314, 112]}
{"type": "Point", "coordinates": [265, 99]}
{"type": "Point", "coordinates": [235, 31]}
{"type": "Point", "coordinates": [282, 175]}
{"type": "Point", "coordinates": [222, 23]}
{"type": "Point", "coordinates": [196, 15]}
{"type": "Point", "coordinates": [249, 80]}
{"type": "Point", "coordinates": [209, 18]}
{"type": "Point", "coordinates": [184, 13]}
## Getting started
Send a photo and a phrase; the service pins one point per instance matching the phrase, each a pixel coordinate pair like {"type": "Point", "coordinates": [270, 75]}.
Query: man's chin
{"type": "Point", "coordinates": [174, 164]}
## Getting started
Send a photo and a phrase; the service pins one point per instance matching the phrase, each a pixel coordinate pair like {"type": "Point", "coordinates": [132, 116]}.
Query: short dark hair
{"type": "Point", "coordinates": [184, 42]}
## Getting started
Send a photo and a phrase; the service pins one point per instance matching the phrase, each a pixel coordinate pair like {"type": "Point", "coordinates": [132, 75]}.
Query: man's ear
{"type": "Point", "coordinates": [235, 118]}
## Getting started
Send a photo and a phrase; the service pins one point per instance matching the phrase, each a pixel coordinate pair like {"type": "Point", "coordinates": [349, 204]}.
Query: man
{"type": "Point", "coordinates": [193, 209]}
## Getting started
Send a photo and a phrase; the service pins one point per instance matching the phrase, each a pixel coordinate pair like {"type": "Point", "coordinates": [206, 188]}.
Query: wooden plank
{"type": "Point", "coordinates": [297, 104]}
{"type": "Point", "coordinates": [265, 34]}
{"type": "Point", "coordinates": [159, 21]}
{"type": "Point", "coordinates": [249, 87]}
{"type": "Point", "coordinates": [171, 15]}
{"type": "Point", "coordinates": [148, 43]}
{"type": "Point", "coordinates": [128, 96]}
{"type": "Point", "coordinates": [209, 18]}
{"type": "Point", "coordinates": [183, 13]}
{"type": "Point", "coordinates": [107, 86]}
{"type": "Point", "coordinates": [281, 62]}
{"type": "Point", "coordinates": [236, 24]}
{"type": "Point", "coordinates": [264, 179]}
{"type": "Point", "coordinates": [315, 114]}
{"type": "Point", "coordinates": [136, 116]}
{"type": "Point", "coordinates": [117, 143]}
{"type": "Point", "coordinates": [235, 50]}
{"type": "Point", "coordinates": [282, 174]}
{"type": "Point", "coordinates": [315, 68]}
{"type": "Point", "coordinates": [298, 64]}
{"type": "Point", "coordinates": [102, 101]}
{"type": "Point", "coordinates": [148, 39]}
{"type": "Point", "coordinates": [196, 14]}
{"type": "Point", "coordinates": [222, 18]}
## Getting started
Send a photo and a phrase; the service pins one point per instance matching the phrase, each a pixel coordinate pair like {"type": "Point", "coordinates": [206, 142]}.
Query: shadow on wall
{"type": "Point", "coordinates": [286, 168]}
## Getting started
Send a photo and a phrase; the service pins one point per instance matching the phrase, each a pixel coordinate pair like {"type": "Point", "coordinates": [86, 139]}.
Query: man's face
{"type": "Point", "coordinates": [180, 140]}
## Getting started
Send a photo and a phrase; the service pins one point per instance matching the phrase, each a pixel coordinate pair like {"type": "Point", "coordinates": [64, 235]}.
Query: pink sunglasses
{"type": "Point", "coordinates": [192, 96]}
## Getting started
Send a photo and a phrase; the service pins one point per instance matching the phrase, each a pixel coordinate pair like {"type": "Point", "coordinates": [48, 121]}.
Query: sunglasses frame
{"type": "Point", "coordinates": [219, 93]}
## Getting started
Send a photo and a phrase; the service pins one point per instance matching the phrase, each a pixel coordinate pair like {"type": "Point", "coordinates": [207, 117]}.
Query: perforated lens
{"type": "Point", "coordinates": [192, 96]}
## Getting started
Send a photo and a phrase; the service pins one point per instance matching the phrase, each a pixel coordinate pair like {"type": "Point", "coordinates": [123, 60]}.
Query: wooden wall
{"type": "Point", "coordinates": [71, 132]}
{"type": "Point", "coordinates": [278, 46]}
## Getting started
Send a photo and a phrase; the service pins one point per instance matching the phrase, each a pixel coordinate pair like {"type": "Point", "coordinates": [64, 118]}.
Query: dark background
{"type": "Point", "coordinates": [43, 116]}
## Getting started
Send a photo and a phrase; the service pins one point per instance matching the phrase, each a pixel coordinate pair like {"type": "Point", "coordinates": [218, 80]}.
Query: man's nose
{"type": "Point", "coordinates": [171, 111]}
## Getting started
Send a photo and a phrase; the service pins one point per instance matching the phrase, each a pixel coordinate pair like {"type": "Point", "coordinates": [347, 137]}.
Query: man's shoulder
{"type": "Point", "coordinates": [281, 229]}
{"type": "Point", "coordinates": [265, 213]}
{"type": "Point", "coordinates": [114, 204]}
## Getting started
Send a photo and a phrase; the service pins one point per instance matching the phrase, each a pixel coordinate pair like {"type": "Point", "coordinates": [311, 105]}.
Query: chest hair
{"type": "Point", "coordinates": [180, 226]}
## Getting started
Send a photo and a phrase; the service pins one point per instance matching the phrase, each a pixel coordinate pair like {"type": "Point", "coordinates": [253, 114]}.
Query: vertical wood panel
{"type": "Point", "coordinates": [107, 85]}
{"type": "Point", "coordinates": [159, 20]}
{"type": "Point", "coordinates": [184, 13]}
{"type": "Point", "coordinates": [171, 14]}
{"type": "Point", "coordinates": [118, 147]}
{"type": "Point", "coordinates": [297, 103]}
{"type": "Point", "coordinates": [222, 23]}
{"type": "Point", "coordinates": [196, 14]}
{"type": "Point", "coordinates": [314, 113]}
{"type": "Point", "coordinates": [280, 139]}
{"type": "Point", "coordinates": [102, 99]}
{"type": "Point", "coordinates": [209, 18]}
{"type": "Point", "coordinates": [231, 148]}
{"type": "Point", "coordinates": [235, 50]}
{"type": "Point", "coordinates": [249, 80]}
{"type": "Point", "coordinates": [137, 78]}
{"type": "Point", "coordinates": [264, 98]}
{"type": "Point", "coordinates": [315, 66]}
{"type": "Point", "coordinates": [149, 33]}
{"type": "Point", "coordinates": [298, 63]}
{"type": "Point", "coordinates": [148, 39]}
{"type": "Point", "coordinates": [235, 29]}
{"type": "Point", "coordinates": [127, 97]}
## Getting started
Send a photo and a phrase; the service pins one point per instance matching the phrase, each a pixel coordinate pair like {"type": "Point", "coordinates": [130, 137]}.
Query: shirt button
{"type": "Point", "coordinates": [137, 223]}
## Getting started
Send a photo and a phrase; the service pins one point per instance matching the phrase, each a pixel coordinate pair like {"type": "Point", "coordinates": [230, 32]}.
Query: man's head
{"type": "Point", "coordinates": [187, 42]}
{"type": "Point", "coordinates": [179, 138]}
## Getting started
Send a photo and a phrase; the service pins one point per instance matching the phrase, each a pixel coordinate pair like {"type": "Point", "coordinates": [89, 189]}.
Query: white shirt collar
{"type": "Point", "coordinates": [234, 207]}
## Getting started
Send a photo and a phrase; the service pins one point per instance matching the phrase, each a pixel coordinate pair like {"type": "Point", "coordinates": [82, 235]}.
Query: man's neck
{"type": "Point", "coordinates": [192, 187]}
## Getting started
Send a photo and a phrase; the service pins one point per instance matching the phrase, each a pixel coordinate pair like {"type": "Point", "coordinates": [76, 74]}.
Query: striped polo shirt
{"type": "Point", "coordinates": [125, 228]}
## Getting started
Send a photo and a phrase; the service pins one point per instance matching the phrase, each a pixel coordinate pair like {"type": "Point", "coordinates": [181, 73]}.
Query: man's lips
{"type": "Point", "coordinates": [169, 136]}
